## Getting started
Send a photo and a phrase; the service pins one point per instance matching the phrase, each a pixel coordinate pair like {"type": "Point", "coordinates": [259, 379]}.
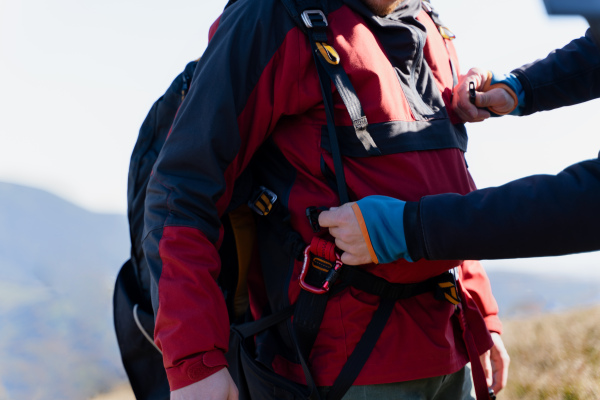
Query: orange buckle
{"type": "Point", "coordinates": [329, 279]}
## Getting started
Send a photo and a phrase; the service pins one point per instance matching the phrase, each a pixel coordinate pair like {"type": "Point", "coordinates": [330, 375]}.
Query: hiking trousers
{"type": "Point", "coordinates": [456, 386]}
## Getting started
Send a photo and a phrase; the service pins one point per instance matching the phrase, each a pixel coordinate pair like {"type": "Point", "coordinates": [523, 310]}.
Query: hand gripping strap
{"type": "Point", "coordinates": [487, 86]}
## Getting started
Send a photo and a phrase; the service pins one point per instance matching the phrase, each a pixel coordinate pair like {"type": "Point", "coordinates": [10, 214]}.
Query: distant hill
{"type": "Point", "coordinates": [58, 263]}
{"type": "Point", "coordinates": [524, 294]}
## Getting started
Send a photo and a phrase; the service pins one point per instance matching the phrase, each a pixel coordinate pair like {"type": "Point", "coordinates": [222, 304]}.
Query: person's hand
{"type": "Point", "coordinates": [497, 99]}
{"type": "Point", "coordinates": [495, 363]}
{"type": "Point", "coordinates": [344, 227]}
{"type": "Point", "coordinates": [218, 386]}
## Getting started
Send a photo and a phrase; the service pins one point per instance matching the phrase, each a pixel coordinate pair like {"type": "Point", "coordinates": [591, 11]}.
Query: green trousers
{"type": "Point", "coordinates": [456, 386]}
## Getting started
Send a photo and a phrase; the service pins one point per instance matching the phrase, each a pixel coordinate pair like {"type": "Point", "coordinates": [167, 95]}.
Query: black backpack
{"type": "Point", "coordinates": [132, 307]}
{"type": "Point", "coordinates": [133, 315]}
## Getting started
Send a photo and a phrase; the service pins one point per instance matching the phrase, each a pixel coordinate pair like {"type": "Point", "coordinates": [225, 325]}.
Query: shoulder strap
{"type": "Point", "coordinates": [311, 17]}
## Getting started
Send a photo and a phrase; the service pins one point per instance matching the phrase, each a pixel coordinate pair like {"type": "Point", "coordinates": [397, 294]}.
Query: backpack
{"type": "Point", "coordinates": [133, 315]}
{"type": "Point", "coordinates": [132, 307]}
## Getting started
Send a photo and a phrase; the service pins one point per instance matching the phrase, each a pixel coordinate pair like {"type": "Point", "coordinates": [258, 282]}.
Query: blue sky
{"type": "Point", "coordinates": [77, 78]}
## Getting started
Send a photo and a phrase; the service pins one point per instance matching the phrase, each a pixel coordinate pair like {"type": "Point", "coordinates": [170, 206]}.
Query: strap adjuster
{"type": "Point", "coordinates": [310, 17]}
{"type": "Point", "coordinates": [446, 288]}
{"type": "Point", "coordinates": [263, 201]}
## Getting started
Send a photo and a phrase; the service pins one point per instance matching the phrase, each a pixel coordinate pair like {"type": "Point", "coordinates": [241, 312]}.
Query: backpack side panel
{"type": "Point", "coordinates": [142, 361]}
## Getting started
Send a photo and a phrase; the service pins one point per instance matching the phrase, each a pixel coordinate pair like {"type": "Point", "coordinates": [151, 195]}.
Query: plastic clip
{"type": "Point", "coordinates": [472, 94]}
{"type": "Point", "coordinates": [312, 213]}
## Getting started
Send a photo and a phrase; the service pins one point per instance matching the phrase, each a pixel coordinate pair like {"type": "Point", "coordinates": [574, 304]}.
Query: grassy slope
{"type": "Point", "coordinates": [554, 356]}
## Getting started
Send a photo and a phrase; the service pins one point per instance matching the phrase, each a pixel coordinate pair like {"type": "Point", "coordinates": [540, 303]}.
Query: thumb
{"type": "Point", "coordinates": [497, 98]}
{"type": "Point", "coordinates": [487, 367]}
{"type": "Point", "coordinates": [329, 218]}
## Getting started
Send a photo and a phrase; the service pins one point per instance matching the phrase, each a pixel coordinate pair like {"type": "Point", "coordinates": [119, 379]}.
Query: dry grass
{"type": "Point", "coordinates": [122, 392]}
{"type": "Point", "coordinates": [554, 357]}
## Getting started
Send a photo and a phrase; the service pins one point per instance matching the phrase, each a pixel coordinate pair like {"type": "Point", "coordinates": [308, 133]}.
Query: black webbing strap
{"type": "Point", "coordinates": [249, 329]}
{"type": "Point", "coordinates": [361, 352]}
{"type": "Point", "coordinates": [331, 131]}
{"type": "Point", "coordinates": [340, 79]}
{"type": "Point", "coordinates": [310, 308]}
{"type": "Point", "coordinates": [335, 71]}
{"type": "Point", "coordinates": [369, 283]}
{"type": "Point", "coordinates": [252, 328]}
{"type": "Point", "coordinates": [295, 8]}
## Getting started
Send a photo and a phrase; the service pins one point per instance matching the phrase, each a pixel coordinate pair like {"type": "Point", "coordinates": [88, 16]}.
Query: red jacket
{"type": "Point", "coordinates": [256, 87]}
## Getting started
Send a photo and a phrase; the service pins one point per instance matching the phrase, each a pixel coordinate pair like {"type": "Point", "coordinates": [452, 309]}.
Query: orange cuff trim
{"type": "Point", "coordinates": [365, 232]}
{"type": "Point", "coordinates": [487, 87]}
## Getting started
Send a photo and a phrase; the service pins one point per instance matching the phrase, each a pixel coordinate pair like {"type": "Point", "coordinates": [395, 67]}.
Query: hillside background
{"type": "Point", "coordinates": [58, 263]}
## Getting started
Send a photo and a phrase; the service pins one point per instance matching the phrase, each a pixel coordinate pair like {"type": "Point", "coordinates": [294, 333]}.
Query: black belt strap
{"type": "Point", "coordinates": [369, 283]}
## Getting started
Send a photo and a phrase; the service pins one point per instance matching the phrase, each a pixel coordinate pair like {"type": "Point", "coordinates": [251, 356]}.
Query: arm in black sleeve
{"type": "Point", "coordinates": [540, 215]}
{"type": "Point", "coordinates": [567, 76]}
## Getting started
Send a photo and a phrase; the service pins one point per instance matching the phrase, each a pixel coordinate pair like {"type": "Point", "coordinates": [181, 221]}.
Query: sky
{"type": "Point", "coordinates": [77, 78]}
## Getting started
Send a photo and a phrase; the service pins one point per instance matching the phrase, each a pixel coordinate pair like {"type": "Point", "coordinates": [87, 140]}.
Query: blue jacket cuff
{"type": "Point", "coordinates": [384, 218]}
{"type": "Point", "coordinates": [513, 82]}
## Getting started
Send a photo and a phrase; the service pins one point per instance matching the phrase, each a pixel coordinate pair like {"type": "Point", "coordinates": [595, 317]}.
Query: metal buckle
{"type": "Point", "coordinates": [266, 203]}
{"type": "Point", "coordinates": [306, 17]}
{"type": "Point", "coordinates": [427, 6]}
{"type": "Point", "coordinates": [329, 279]}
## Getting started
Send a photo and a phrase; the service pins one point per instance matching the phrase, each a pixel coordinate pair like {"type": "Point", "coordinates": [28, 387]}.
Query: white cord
{"type": "Point", "coordinates": [141, 328]}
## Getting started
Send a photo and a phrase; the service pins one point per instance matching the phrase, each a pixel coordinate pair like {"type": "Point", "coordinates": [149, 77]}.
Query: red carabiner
{"type": "Point", "coordinates": [331, 276]}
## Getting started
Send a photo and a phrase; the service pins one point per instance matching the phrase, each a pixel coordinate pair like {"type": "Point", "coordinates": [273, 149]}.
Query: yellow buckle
{"type": "Point", "coordinates": [452, 296]}
{"type": "Point", "coordinates": [446, 33]}
{"type": "Point", "coordinates": [328, 53]}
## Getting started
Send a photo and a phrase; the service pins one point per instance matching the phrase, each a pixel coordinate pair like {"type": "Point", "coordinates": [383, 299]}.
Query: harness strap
{"type": "Point", "coordinates": [310, 307]}
{"type": "Point", "coordinates": [325, 83]}
{"type": "Point", "coordinates": [479, 381]}
{"type": "Point", "coordinates": [296, 8]}
{"type": "Point", "coordinates": [363, 349]}
{"type": "Point", "coordinates": [369, 283]}
{"type": "Point", "coordinates": [348, 94]}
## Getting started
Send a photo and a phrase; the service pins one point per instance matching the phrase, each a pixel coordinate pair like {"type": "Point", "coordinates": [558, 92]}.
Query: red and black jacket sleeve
{"type": "Point", "coordinates": [212, 141]}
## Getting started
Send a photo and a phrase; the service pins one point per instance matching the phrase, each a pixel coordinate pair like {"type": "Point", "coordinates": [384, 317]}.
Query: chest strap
{"type": "Point", "coordinates": [315, 279]}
